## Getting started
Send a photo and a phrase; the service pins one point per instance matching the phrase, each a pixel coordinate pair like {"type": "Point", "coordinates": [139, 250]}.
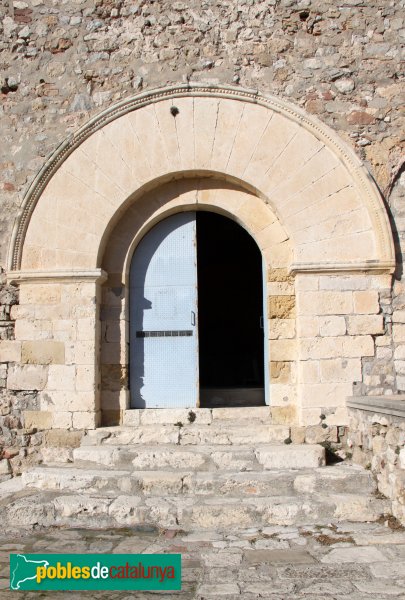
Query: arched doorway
{"type": "Point", "coordinates": [310, 204]}
{"type": "Point", "coordinates": [196, 315]}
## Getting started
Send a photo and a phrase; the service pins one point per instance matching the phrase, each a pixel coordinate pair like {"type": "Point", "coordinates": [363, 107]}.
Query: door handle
{"type": "Point", "coordinates": [192, 318]}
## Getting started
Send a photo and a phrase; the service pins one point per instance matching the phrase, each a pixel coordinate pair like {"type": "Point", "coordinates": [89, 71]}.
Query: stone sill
{"type": "Point", "coordinates": [394, 405]}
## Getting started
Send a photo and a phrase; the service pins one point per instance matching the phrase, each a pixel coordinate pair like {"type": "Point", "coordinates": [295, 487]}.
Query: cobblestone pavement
{"type": "Point", "coordinates": [338, 562]}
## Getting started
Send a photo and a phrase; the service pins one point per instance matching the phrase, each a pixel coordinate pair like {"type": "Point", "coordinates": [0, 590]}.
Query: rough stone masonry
{"type": "Point", "coordinates": [63, 61]}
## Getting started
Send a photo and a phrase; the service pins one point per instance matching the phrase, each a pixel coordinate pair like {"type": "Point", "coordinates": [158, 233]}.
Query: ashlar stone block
{"type": "Point", "coordinates": [61, 377]}
{"type": "Point", "coordinates": [283, 394]}
{"type": "Point", "coordinates": [280, 371]}
{"type": "Point", "coordinates": [284, 350]}
{"type": "Point", "coordinates": [365, 324]}
{"type": "Point", "coordinates": [309, 371]}
{"type": "Point", "coordinates": [61, 419]}
{"type": "Point", "coordinates": [85, 378]}
{"type": "Point", "coordinates": [281, 307]}
{"type": "Point", "coordinates": [38, 419]}
{"type": "Point", "coordinates": [44, 293]}
{"type": "Point", "coordinates": [30, 329]}
{"type": "Point", "coordinates": [283, 415]}
{"type": "Point", "coordinates": [340, 370]}
{"type": "Point", "coordinates": [325, 394]}
{"type": "Point", "coordinates": [366, 302]}
{"type": "Point", "coordinates": [335, 347]}
{"type": "Point", "coordinates": [353, 346]}
{"type": "Point", "coordinates": [308, 327]}
{"type": "Point", "coordinates": [43, 352]}
{"type": "Point", "coordinates": [66, 401]}
{"type": "Point", "coordinates": [85, 420]}
{"type": "Point", "coordinates": [281, 329]}
{"type": "Point", "coordinates": [10, 351]}
{"type": "Point", "coordinates": [332, 326]}
{"type": "Point", "coordinates": [305, 282]}
{"type": "Point", "coordinates": [27, 377]}
{"type": "Point", "coordinates": [325, 303]}
{"type": "Point", "coordinates": [279, 276]}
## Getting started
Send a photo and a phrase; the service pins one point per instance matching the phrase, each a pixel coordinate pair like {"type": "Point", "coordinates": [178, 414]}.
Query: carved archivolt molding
{"type": "Point", "coordinates": [369, 193]}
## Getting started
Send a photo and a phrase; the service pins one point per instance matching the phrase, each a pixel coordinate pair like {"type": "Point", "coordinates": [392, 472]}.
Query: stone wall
{"type": "Point", "coordinates": [18, 443]}
{"type": "Point", "coordinates": [376, 440]}
{"type": "Point", "coordinates": [63, 61]}
{"type": "Point", "coordinates": [342, 328]}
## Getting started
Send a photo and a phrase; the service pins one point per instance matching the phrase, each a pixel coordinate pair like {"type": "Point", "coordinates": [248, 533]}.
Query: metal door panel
{"type": "Point", "coordinates": [163, 302]}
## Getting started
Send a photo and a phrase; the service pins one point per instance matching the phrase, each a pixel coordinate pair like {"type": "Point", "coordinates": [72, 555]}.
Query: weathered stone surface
{"type": "Point", "coordinates": [281, 307]}
{"type": "Point", "coordinates": [39, 419]}
{"type": "Point", "coordinates": [376, 441]}
{"type": "Point", "coordinates": [302, 59]}
{"type": "Point", "coordinates": [283, 415]}
{"type": "Point", "coordinates": [363, 325]}
{"type": "Point", "coordinates": [290, 457]}
{"type": "Point", "coordinates": [43, 352]}
{"type": "Point", "coordinates": [355, 555]}
{"type": "Point", "coordinates": [27, 377]}
{"type": "Point", "coordinates": [317, 434]}
{"type": "Point", "coordinates": [10, 351]}
{"type": "Point", "coordinates": [4, 467]}
{"type": "Point", "coordinates": [280, 371]}
{"type": "Point", "coordinates": [358, 117]}
{"type": "Point", "coordinates": [60, 438]}
{"type": "Point", "coordinates": [221, 563]}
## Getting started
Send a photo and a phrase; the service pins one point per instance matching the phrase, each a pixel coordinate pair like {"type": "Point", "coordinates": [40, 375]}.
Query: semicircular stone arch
{"type": "Point", "coordinates": [141, 215]}
{"type": "Point", "coordinates": [302, 194]}
{"type": "Point", "coordinates": [315, 185]}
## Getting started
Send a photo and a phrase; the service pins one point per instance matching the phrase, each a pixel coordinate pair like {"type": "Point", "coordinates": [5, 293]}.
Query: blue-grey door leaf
{"type": "Point", "coordinates": [163, 322]}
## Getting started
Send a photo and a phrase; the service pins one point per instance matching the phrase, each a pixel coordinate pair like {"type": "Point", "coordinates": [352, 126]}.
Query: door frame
{"type": "Point", "coordinates": [144, 230]}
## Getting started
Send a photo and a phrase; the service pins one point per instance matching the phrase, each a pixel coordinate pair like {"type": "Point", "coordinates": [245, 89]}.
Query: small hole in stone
{"type": "Point", "coordinates": [42, 81]}
{"type": "Point", "coordinates": [304, 15]}
{"type": "Point", "coordinates": [174, 111]}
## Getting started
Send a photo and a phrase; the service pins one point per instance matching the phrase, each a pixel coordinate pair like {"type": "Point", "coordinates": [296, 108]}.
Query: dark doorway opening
{"type": "Point", "coordinates": [230, 314]}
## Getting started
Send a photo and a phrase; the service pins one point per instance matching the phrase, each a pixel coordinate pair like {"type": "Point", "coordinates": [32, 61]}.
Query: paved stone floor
{"type": "Point", "coordinates": [355, 561]}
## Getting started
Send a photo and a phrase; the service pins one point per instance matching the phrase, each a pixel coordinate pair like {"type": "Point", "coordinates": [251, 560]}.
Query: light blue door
{"type": "Point", "coordinates": [163, 313]}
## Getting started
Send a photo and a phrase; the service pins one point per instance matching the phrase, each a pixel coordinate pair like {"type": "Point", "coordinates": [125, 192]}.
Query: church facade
{"type": "Point", "coordinates": [154, 152]}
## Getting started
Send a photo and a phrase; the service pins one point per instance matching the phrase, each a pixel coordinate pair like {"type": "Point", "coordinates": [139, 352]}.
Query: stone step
{"type": "Point", "coordinates": [333, 480]}
{"type": "Point", "coordinates": [187, 512]}
{"type": "Point", "coordinates": [203, 458]}
{"type": "Point", "coordinates": [219, 432]}
{"type": "Point", "coordinates": [200, 416]}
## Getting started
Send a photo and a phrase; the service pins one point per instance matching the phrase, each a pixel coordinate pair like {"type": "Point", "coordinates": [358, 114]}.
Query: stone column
{"type": "Point", "coordinates": [57, 326]}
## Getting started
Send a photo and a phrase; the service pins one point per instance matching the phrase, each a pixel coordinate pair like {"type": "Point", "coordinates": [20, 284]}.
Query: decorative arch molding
{"type": "Point", "coordinates": [315, 184]}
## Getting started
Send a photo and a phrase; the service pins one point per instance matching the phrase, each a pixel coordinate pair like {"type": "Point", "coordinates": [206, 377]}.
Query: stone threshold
{"type": "Point", "coordinates": [152, 416]}
{"type": "Point", "coordinates": [393, 406]}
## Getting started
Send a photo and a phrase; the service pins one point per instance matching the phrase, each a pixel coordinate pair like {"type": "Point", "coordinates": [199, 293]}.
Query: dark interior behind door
{"type": "Point", "coordinates": [230, 304]}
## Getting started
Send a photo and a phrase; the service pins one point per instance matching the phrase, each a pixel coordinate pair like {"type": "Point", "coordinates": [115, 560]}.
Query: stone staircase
{"type": "Point", "coordinates": [194, 469]}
